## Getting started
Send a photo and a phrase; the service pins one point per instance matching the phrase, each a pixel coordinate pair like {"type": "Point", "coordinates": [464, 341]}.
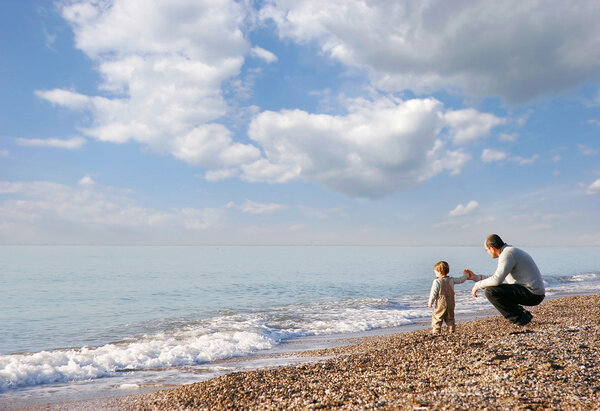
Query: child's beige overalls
{"type": "Point", "coordinates": [444, 307]}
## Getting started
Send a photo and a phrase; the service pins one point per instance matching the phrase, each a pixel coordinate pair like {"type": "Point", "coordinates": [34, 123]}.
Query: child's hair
{"type": "Point", "coordinates": [441, 267]}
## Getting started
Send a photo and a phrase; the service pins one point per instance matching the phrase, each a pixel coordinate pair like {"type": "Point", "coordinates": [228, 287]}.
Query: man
{"type": "Point", "coordinates": [524, 281]}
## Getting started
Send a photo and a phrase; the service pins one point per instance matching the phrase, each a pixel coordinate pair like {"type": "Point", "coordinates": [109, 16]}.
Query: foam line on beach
{"type": "Point", "coordinates": [201, 342]}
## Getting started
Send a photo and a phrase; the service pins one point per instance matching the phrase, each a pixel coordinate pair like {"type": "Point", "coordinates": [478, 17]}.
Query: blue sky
{"type": "Point", "coordinates": [299, 122]}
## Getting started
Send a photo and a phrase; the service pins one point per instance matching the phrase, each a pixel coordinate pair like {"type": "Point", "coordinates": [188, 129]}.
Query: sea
{"type": "Point", "coordinates": [80, 322]}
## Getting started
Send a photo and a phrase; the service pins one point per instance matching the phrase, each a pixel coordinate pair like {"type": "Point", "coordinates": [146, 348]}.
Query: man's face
{"type": "Point", "coordinates": [491, 251]}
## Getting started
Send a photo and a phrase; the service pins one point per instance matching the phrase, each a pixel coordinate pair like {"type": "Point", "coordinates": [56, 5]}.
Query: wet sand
{"type": "Point", "coordinates": [554, 362]}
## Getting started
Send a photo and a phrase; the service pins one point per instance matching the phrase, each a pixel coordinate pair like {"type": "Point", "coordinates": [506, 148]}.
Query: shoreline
{"type": "Point", "coordinates": [292, 352]}
{"type": "Point", "coordinates": [289, 353]}
{"type": "Point", "coordinates": [488, 363]}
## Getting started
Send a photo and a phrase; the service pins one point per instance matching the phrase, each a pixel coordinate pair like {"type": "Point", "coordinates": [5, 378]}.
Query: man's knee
{"type": "Point", "coordinates": [491, 292]}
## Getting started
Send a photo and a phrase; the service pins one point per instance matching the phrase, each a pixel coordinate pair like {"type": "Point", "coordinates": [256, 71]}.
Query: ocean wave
{"type": "Point", "coordinates": [21, 370]}
{"type": "Point", "coordinates": [583, 283]}
{"type": "Point", "coordinates": [587, 277]}
{"type": "Point", "coordinates": [574, 278]}
{"type": "Point", "coordinates": [199, 342]}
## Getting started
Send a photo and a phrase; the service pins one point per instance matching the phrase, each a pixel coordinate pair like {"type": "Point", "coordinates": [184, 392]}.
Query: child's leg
{"type": "Point", "coordinates": [439, 315]}
{"type": "Point", "coordinates": [436, 323]}
{"type": "Point", "coordinates": [450, 320]}
{"type": "Point", "coordinates": [451, 325]}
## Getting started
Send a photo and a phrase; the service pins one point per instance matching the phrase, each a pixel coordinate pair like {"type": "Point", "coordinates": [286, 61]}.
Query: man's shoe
{"type": "Point", "coordinates": [524, 319]}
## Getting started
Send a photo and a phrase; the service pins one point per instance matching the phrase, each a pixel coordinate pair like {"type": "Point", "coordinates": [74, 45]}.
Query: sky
{"type": "Point", "coordinates": [299, 122]}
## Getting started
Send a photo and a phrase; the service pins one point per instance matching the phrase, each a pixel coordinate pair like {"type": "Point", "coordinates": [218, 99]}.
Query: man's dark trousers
{"type": "Point", "coordinates": [508, 298]}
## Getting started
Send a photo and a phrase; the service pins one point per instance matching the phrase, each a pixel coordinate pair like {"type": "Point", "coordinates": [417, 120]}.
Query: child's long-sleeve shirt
{"type": "Point", "coordinates": [437, 285]}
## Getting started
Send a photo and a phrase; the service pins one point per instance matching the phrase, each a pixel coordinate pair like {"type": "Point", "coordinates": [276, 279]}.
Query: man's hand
{"type": "Point", "coordinates": [470, 273]}
{"type": "Point", "coordinates": [474, 291]}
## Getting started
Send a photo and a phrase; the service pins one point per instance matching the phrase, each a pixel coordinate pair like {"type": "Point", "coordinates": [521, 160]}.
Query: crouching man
{"type": "Point", "coordinates": [524, 284]}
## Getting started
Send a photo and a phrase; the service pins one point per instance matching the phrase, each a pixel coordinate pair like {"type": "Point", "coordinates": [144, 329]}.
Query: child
{"type": "Point", "coordinates": [442, 293]}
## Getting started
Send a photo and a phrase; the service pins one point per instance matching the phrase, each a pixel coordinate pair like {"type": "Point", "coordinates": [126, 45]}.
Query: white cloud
{"type": "Point", "coordinates": [70, 144]}
{"type": "Point", "coordinates": [66, 98]}
{"type": "Point", "coordinates": [470, 125]}
{"type": "Point", "coordinates": [49, 39]}
{"type": "Point", "coordinates": [221, 174]}
{"type": "Point", "coordinates": [480, 47]}
{"type": "Point", "coordinates": [378, 147]}
{"type": "Point", "coordinates": [42, 210]}
{"type": "Point", "coordinates": [594, 121]}
{"type": "Point", "coordinates": [462, 210]}
{"type": "Point", "coordinates": [509, 137]}
{"type": "Point", "coordinates": [263, 54]}
{"type": "Point", "coordinates": [3, 153]}
{"type": "Point", "coordinates": [211, 146]}
{"type": "Point", "coordinates": [320, 214]}
{"type": "Point", "coordinates": [252, 207]}
{"type": "Point", "coordinates": [162, 66]}
{"type": "Point", "coordinates": [490, 155]}
{"type": "Point", "coordinates": [594, 188]}
{"type": "Point", "coordinates": [86, 181]}
{"type": "Point", "coordinates": [587, 151]}
{"type": "Point", "coordinates": [524, 160]}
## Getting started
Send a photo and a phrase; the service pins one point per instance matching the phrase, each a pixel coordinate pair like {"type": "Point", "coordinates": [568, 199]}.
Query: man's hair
{"type": "Point", "coordinates": [494, 240]}
{"type": "Point", "coordinates": [441, 267]}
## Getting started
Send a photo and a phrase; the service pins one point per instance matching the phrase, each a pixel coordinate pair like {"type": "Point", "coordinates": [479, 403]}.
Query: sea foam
{"type": "Point", "coordinates": [201, 342]}
{"type": "Point", "coordinates": [20, 370]}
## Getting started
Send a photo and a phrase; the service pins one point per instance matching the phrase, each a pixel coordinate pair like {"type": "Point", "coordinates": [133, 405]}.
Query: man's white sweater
{"type": "Point", "coordinates": [517, 267]}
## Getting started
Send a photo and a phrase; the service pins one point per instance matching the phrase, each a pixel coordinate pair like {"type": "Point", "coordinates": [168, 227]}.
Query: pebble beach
{"type": "Point", "coordinates": [552, 363]}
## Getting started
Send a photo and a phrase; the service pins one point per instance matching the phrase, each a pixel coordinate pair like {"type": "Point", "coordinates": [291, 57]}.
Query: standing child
{"type": "Point", "coordinates": [442, 293]}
